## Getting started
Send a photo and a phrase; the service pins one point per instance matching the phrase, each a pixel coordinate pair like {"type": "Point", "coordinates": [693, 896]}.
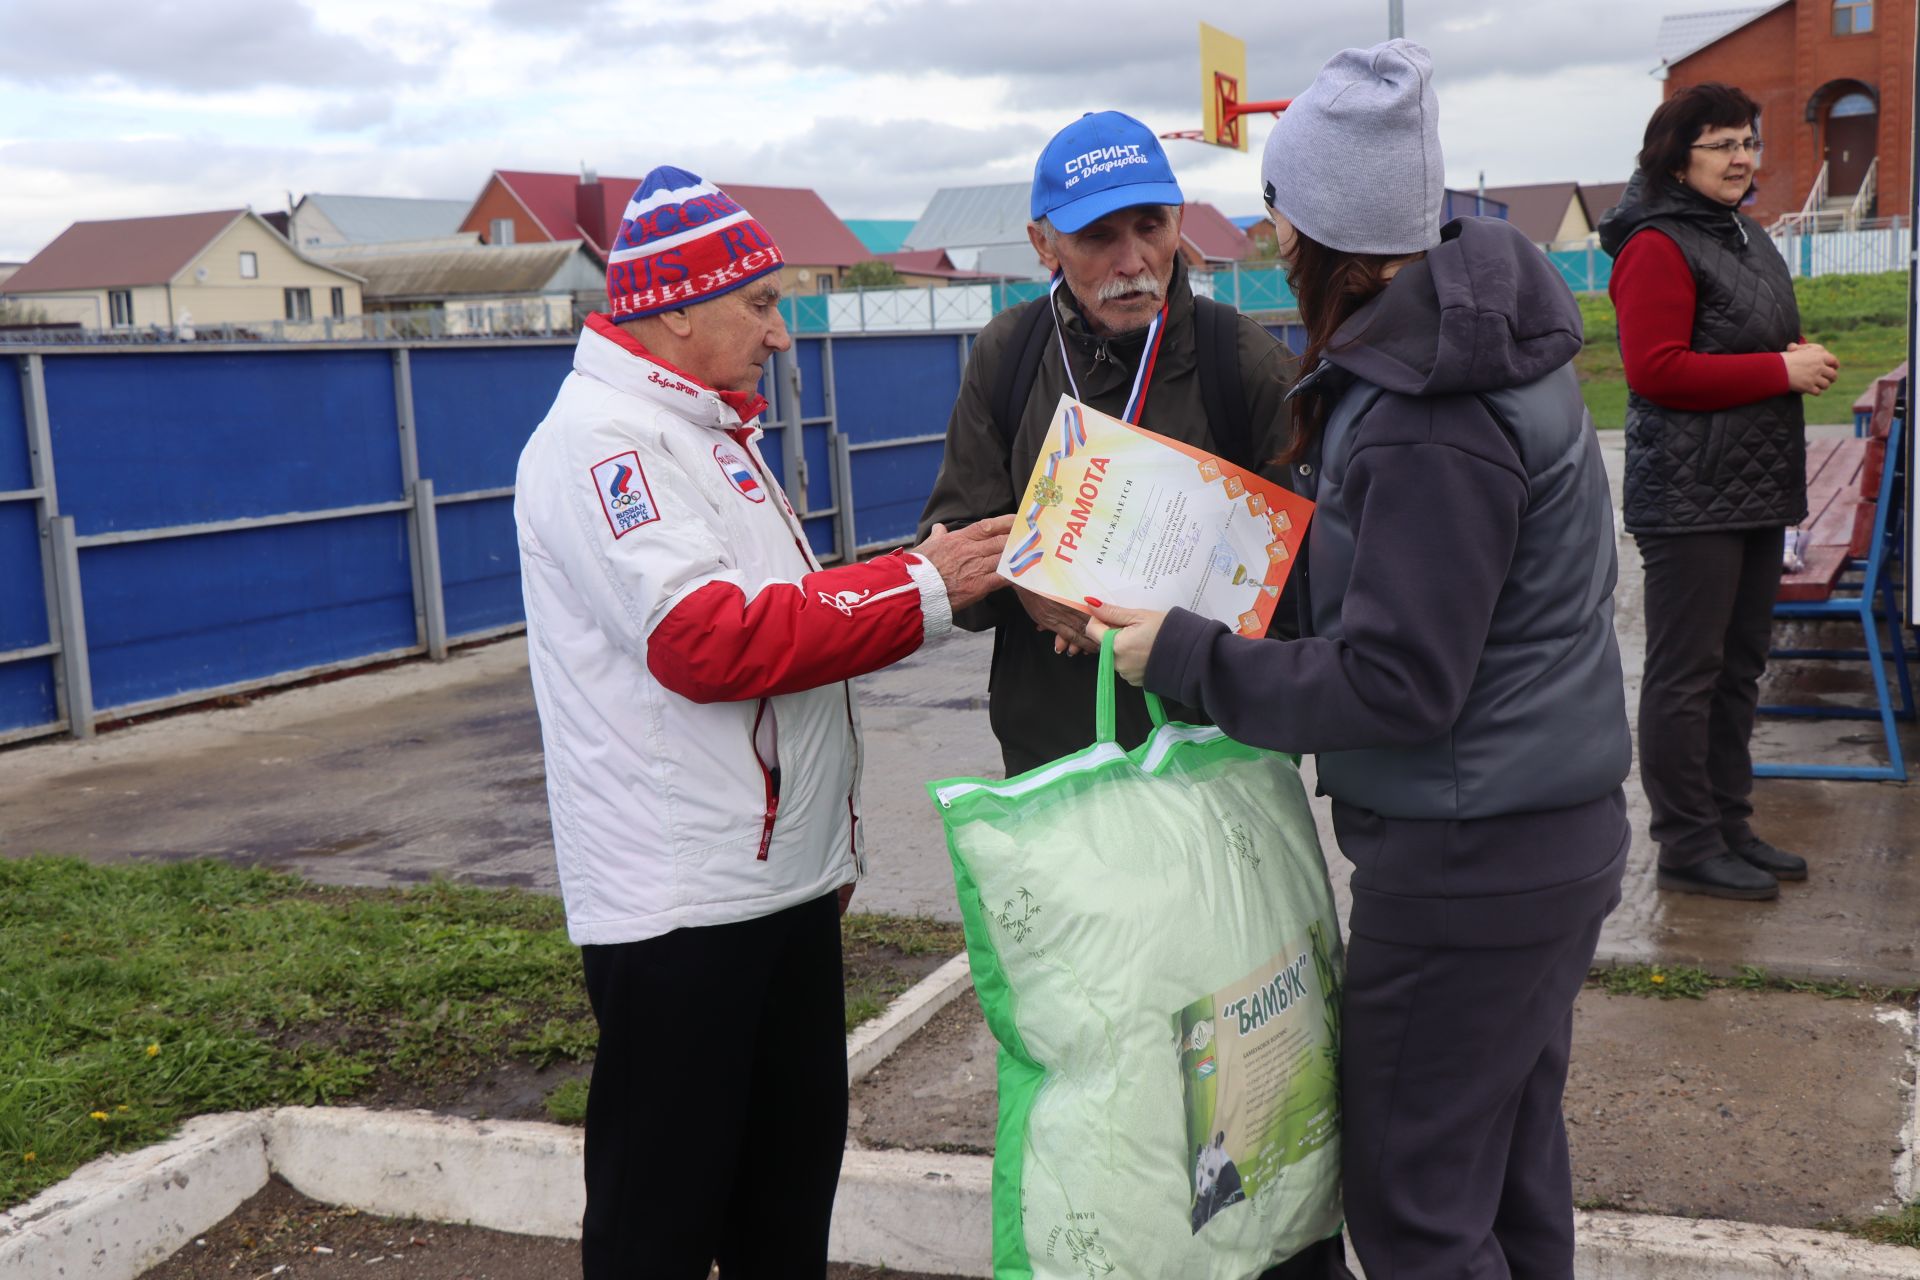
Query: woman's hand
{"type": "Point", "coordinates": [1134, 630]}
{"type": "Point", "coordinates": [1811, 368]}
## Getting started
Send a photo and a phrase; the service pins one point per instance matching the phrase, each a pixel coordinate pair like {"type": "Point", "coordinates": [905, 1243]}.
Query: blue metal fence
{"type": "Point", "coordinates": [178, 522]}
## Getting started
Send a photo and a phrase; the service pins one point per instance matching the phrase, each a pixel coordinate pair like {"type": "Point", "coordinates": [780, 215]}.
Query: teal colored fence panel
{"type": "Point", "coordinates": [1584, 270]}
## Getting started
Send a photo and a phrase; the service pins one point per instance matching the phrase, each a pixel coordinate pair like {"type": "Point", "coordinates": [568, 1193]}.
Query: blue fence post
{"type": "Point", "coordinates": [33, 401]}
{"type": "Point", "coordinates": [76, 671]}
{"type": "Point", "coordinates": [429, 598]}
{"type": "Point", "coordinates": [427, 525]}
{"type": "Point", "coordinates": [846, 534]}
{"type": "Point", "coordinates": [793, 453]}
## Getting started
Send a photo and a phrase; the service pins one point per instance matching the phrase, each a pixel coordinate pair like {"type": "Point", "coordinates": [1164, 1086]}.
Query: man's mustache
{"type": "Point", "coordinates": [1142, 283]}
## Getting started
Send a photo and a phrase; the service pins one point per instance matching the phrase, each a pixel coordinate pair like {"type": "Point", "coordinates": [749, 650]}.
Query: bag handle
{"type": "Point", "coordinates": [1103, 714]}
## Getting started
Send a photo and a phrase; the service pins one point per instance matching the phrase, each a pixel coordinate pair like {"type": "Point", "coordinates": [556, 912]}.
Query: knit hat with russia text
{"type": "Point", "coordinates": [682, 242]}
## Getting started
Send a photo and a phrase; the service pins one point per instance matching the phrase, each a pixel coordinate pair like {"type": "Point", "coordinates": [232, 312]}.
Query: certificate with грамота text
{"type": "Point", "coordinates": [1116, 514]}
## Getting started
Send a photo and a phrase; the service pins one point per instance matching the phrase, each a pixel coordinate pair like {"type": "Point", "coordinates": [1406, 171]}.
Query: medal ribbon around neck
{"type": "Point", "coordinates": [1073, 429]}
{"type": "Point", "coordinates": [1136, 398]}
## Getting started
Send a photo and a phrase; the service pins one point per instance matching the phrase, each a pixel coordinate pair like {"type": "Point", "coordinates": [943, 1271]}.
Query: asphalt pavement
{"type": "Point", "coordinates": [424, 769]}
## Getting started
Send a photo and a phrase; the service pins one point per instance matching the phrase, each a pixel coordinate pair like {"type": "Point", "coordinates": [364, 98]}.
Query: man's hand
{"type": "Point", "coordinates": [1069, 625]}
{"type": "Point", "coordinates": [846, 896]}
{"type": "Point", "coordinates": [1134, 630]}
{"type": "Point", "coordinates": [1811, 368]}
{"type": "Point", "coordinates": [966, 559]}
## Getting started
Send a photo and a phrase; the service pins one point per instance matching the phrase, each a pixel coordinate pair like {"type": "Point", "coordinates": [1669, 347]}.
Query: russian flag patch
{"type": "Point", "coordinates": [739, 473]}
{"type": "Point", "coordinates": [624, 496]}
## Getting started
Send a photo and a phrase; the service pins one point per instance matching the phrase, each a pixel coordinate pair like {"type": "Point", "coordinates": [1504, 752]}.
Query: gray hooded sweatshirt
{"type": "Point", "coordinates": [1457, 675]}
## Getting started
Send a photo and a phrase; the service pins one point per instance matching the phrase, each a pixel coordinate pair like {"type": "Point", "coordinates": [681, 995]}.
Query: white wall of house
{"type": "Point", "coordinates": [94, 308]}
{"type": "Point", "coordinates": [493, 315]}
{"type": "Point", "coordinates": [216, 291]}
{"type": "Point", "coordinates": [309, 228]}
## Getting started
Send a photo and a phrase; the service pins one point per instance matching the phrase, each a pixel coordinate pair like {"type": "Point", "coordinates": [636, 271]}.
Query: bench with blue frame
{"type": "Point", "coordinates": [1854, 570]}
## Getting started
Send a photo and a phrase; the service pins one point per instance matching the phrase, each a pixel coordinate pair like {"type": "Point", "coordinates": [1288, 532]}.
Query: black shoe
{"type": "Point", "coordinates": [1777, 863]}
{"type": "Point", "coordinates": [1721, 876]}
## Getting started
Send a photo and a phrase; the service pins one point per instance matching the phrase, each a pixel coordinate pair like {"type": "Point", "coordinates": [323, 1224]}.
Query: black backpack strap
{"type": "Point", "coordinates": [1019, 366]}
{"type": "Point", "coordinates": [1216, 333]}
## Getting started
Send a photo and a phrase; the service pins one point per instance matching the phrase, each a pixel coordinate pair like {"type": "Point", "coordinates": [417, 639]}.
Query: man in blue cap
{"type": "Point", "coordinates": [1123, 331]}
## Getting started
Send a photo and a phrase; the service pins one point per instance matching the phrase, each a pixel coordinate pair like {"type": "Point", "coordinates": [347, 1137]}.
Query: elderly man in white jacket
{"type": "Point", "coordinates": [690, 661]}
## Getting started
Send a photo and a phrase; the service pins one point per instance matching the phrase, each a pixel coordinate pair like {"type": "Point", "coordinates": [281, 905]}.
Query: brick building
{"type": "Point", "coordinates": [1834, 80]}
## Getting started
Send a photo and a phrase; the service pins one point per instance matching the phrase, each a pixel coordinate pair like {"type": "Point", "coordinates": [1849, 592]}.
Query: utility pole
{"type": "Point", "coordinates": [1396, 19]}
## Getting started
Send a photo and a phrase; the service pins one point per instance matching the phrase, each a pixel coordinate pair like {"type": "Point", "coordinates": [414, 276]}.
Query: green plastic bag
{"type": "Point", "coordinates": [1154, 944]}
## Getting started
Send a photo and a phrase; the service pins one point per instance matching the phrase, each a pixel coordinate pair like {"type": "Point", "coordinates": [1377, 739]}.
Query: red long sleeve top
{"type": "Point", "coordinates": [1653, 297]}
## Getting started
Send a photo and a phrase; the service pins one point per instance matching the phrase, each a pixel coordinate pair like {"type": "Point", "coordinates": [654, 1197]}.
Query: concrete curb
{"type": "Point", "coordinates": [121, 1214]}
{"type": "Point", "coordinates": [919, 1211]}
{"type": "Point", "coordinates": [871, 1042]}
{"type": "Point", "coordinates": [915, 1211]}
{"type": "Point", "coordinates": [1625, 1246]}
{"type": "Point", "coordinates": [510, 1175]}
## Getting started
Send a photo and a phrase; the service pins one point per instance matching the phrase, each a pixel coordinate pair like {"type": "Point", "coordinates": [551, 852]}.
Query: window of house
{"type": "Point", "coordinates": [120, 306]}
{"type": "Point", "coordinates": [823, 283]}
{"type": "Point", "coordinates": [339, 302]}
{"type": "Point", "coordinates": [1854, 104]}
{"type": "Point", "coordinates": [500, 231]}
{"type": "Point", "coordinates": [249, 266]}
{"type": "Point", "coordinates": [1852, 17]}
{"type": "Point", "coordinates": [299, 304]}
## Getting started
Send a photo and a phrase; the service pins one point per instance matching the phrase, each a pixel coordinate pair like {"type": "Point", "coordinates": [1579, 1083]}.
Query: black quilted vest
{"type": "Point", "coordinates": [1740, 468]}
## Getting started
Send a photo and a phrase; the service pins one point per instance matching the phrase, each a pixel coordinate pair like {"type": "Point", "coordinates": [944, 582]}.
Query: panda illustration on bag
{"type": "Point", "coordinates": [1216, 1180]}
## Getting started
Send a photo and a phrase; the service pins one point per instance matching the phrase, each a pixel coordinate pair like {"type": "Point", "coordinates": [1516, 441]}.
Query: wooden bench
{"type": "Point", "coordinates": [1863, 403]}
{"type": "Point", "coordinates": [1852, 557]}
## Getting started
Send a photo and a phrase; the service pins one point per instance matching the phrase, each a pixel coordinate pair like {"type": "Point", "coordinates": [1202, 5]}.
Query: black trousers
{"type": "Point", "coordinates": [1709, 607]}
{"type": "Point", "coordinates": [718, 1109]}
{"type": "Point", "coordinates": [1452, 1066]}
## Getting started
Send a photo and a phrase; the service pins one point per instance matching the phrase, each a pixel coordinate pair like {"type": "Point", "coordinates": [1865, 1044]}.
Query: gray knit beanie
{"type": "Point", "coordinates": [1355, 161]}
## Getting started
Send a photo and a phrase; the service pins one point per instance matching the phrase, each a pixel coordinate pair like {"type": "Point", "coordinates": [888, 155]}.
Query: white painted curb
{"type": "Point", "coordinates": [510, 1175]}
{"type": "Point", "coordinates": [1625, 1246]}
{"type": "Point", "coordinates": [915, 1211]}
{"type": "Point", "coordinates": [918, 1211]}
{"type": "Point", "coordinates": [871, 1042]}
{"type": "Point", "coordinates": [121, 1214]}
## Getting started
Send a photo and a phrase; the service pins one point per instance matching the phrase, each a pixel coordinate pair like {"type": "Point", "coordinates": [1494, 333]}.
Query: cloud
{"type": "Point", "coordinates": [354, 114]}
{"type": "Point", "coordinates": [550, 14]}
{"type": "Point", "coordinates": [866, 164]}
{"type": "Point", "coordinates": [1144, 54]}
{"type": "Point", "coordinates": [195, 45]}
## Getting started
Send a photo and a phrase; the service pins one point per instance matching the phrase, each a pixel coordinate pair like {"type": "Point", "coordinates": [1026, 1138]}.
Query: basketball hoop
{"type": "Point", "coordinates": [1223, 69]}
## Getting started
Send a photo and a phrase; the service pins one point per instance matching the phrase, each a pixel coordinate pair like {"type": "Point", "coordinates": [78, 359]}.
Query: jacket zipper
{"type": "Point", "coordinates": [766, 729]}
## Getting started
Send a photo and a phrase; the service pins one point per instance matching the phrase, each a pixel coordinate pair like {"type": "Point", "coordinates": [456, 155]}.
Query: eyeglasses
{"type": "Point", "coordinates": [1726, 147]}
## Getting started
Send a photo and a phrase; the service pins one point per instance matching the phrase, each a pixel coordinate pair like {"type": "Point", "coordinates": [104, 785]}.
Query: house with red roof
{"type": "Point", "coordinates": [1210, 242]}
{"type": "Point", "coordinates": [519, 207]}
{"type": "Point", "coordinates": [200, 269]}
{"type": "Point", "coordinates": [931, 268]}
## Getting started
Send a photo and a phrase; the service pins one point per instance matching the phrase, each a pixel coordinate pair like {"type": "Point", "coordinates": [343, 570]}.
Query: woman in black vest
{"type": "Point", "coordinates": [1716, 469]}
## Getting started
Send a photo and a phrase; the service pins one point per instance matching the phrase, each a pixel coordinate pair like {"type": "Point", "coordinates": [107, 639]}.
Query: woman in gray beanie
{"type": "Point", "coordinates": [1457, 674]}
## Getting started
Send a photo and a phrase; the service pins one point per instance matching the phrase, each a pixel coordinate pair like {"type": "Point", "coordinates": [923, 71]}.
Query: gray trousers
{"type": "Point", "coordinates": [1709, 606]}
{"type": "Point", "coordinates": [1452, 1065]}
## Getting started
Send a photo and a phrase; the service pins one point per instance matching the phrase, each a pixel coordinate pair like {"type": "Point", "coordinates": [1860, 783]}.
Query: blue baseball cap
{"type": "Point", "coordinates": [1103, 161]}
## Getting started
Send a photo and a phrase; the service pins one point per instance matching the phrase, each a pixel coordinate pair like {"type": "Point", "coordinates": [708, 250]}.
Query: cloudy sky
{"type": "Point", "coordinates": [117, 109]}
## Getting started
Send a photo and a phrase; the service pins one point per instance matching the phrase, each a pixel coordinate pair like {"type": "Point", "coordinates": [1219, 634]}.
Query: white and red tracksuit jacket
{"type": "Point", "coordinates": [690, 656]}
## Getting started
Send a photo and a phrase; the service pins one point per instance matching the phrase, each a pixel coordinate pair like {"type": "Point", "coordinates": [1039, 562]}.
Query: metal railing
{"type": "Point", "coordinates": [1863, 198]}
{"type": "Point", "coordinates": [1814, 210]}
{"type": "Point", "coordinates": [454, 322]}
{"type": "Point", "coordinates": [1875, 245]}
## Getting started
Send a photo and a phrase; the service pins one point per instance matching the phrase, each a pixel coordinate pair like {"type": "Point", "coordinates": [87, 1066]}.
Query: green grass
{"type": "Point", "coordinates": [1681, 982]}
{"type": "Point", "coordinates": [133, 997]}
{"type": "Point", "coordinates": [1862, 319]}
{"type": "Point", "coordinates": [1899, 1228]}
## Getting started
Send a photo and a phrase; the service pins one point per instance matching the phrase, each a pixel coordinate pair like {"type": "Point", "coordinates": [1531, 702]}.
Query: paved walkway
{"type": "Point", "coordinates": [421, 769]}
